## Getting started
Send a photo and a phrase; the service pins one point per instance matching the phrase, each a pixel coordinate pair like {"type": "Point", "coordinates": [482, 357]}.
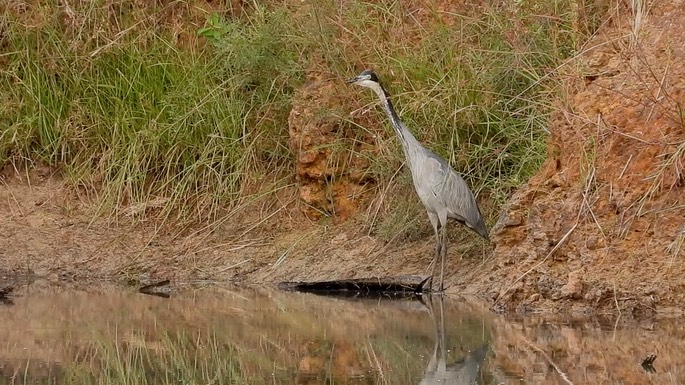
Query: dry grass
{"type": "Point", "coordinates": [161, 120]}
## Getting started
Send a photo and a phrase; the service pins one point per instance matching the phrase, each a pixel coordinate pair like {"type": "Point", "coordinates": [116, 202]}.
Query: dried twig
{"type": "Point", "coordinates": [618, 308]}
{"type": "Point", "coordinates": [233, 266]}
{"type": "Point", "coordinates": [549, 360]}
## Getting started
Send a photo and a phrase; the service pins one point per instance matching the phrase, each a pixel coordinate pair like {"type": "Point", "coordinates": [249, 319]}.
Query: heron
{"type": "Point", "coordinates": [443, 192]}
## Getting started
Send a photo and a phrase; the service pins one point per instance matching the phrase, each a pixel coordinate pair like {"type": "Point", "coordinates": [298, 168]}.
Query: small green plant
{"type": "Point", "coordinates": [215, 30]}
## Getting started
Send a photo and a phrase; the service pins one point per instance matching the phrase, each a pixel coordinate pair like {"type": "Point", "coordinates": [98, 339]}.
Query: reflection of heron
{"type": "Point", "coordinates": [462, 372]}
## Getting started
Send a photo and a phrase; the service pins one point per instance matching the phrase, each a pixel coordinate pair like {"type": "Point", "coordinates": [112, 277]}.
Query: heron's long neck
{"type": "Point", "coordinates": [403, 133]}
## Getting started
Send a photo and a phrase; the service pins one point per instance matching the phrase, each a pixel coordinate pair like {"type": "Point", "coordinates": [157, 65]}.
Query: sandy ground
{"type": "Point", "coordinates": [49, 232]}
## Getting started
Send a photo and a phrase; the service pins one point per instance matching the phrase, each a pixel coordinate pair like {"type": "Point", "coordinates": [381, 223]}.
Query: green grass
{"type": "Point", "coordinates": [478, 90]}
{"type": "Point", "coordinates": [143, 121]}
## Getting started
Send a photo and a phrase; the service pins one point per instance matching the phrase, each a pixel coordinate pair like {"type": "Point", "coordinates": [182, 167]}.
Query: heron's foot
{"type": "Point", "coordinates": [423, 286]}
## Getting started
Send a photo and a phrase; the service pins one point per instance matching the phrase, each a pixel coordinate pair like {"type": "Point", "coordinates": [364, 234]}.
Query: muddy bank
{"type": "Point", "coordinates": [49, 234]}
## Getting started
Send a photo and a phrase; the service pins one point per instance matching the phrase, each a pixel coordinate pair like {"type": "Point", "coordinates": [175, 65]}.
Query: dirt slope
{"type": "Point", "coordinates": [602, 224]}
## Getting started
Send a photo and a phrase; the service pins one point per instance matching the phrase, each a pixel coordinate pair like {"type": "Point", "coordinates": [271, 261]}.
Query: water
{"type": "Point", "coordinates": [221, 335]}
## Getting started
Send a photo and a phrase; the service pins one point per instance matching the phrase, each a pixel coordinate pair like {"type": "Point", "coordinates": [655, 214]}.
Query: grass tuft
{"type": "Point", "coordinates": [161, 125]}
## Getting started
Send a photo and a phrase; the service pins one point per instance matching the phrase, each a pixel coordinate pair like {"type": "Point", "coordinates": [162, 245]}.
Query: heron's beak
{"type": "Point", "coordinates": [352, 80]}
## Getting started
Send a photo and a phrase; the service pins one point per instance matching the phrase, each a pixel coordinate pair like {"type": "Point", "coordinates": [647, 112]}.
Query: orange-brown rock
{"type": "Point", "coordinates": [331, 157]}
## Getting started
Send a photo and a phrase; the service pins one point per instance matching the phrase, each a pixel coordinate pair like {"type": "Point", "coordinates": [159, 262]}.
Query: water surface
{"type": "Point", "coordinates": [228, 335]}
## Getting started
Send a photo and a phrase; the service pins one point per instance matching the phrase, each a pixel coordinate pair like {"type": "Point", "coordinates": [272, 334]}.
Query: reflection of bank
{"type": "Point", "coordinates": [464, 371]}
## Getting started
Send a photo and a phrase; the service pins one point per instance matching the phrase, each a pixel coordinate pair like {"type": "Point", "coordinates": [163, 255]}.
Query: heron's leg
{"type": "Point", "coordinates": [435, 222]}
{"type": "Point", "coordinates": [442, 258]}
{"type": "Point", "coordinates": [443, 249]}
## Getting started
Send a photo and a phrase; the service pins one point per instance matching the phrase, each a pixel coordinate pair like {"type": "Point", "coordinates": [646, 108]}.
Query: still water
{"type": "Point", "coordinates": [229, 335]}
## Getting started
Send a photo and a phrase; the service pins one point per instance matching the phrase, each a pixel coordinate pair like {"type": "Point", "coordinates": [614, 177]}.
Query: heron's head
{"type": "Point", "coordinates": [365, 79]}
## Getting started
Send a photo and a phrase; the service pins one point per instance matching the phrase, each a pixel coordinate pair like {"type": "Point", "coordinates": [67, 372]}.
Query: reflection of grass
{"type": "Point", "coordinates": [397, 360]}
{"type": "Point", "coordinates": [213, 358]}
{"type": "Point", "coordinates": [212, 338]}
{"type": "Point", "coordinates": [179, 358]}
{"type": "Point", "coordinates": [182, 357]}
{"type": "Point", "coordinates": [215, 337]}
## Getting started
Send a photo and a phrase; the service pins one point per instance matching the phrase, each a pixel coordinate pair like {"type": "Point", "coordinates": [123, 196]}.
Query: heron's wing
{"type": "Point", "coordinates": [450, 189]}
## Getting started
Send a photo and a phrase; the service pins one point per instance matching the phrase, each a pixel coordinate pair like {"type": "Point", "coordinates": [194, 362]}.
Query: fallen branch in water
{"type": "Point", "coordinates": [159, 289]}
{"type": "Point", "coordinates": [412, 285]}
{"type": "Point", "coordinates": [4, 295]}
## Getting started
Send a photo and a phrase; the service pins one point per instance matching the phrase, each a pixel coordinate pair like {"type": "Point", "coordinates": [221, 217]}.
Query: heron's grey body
{"type": "Point", "coordinates": [443, 192]}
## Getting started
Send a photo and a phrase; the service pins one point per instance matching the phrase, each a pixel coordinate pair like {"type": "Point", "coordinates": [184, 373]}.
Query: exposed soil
{"type": "Point", "coordinates": [332, 160]}
{"type": "Point", "coordinates": [602, 224]}
{"type": "Point", "coordinates": [599, 228]}
{"type": "Point", "coordinates": [50, 232]}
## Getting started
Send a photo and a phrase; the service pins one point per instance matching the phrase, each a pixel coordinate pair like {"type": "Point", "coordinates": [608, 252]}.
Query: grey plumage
{"type": "Point", "coordinates": [443, 192]}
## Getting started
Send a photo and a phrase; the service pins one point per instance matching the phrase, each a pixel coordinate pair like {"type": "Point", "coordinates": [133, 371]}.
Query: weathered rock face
{"type": "Point", "coordinates": [603, 222]}
{"type": "Point", "coordinates": [331, 156]}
